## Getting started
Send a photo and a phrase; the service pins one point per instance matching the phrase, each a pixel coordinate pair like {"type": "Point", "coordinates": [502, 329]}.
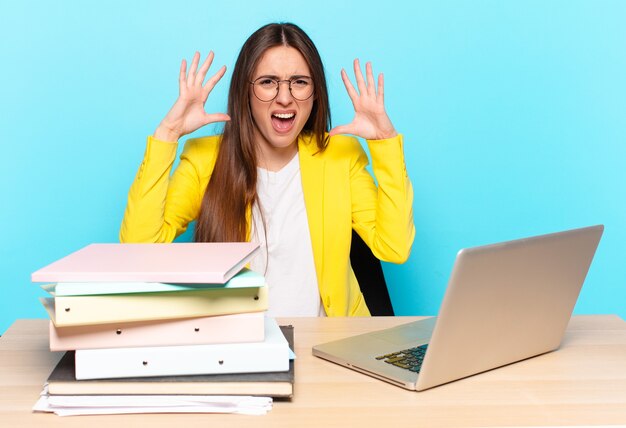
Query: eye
{"type": "Point", "coordinates": [300, 83]}
{"type": "Point", "coordinates": [266, 82]}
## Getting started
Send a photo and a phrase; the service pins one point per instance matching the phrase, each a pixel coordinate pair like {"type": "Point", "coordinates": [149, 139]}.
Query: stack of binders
{"type": "Point", "coordinates": [164, 319]}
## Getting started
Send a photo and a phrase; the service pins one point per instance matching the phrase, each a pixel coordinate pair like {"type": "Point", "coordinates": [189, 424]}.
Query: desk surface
{"type": "Point", "coordinates": [582, 383]}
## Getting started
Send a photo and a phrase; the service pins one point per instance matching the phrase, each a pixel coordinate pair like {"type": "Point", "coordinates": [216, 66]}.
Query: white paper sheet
{"type": "Point", "coordinates": [66, 405]}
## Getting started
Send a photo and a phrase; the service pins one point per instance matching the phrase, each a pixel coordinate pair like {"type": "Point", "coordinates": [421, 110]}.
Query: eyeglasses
{"type": "Point", "coordinates": [266, 88]}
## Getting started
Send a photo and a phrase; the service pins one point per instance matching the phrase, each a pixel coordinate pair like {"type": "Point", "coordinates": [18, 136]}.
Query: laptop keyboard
{"type": "Point", "coordinates": [410, 359]}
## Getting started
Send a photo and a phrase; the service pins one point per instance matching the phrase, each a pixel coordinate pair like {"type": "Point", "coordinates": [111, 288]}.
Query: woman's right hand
{"type": "Point", "coordinates": [187, 114]}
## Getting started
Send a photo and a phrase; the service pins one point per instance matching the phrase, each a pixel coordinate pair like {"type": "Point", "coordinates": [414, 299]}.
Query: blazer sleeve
{"type": "Point", "coordinates": [160, 207]}
{"type": "Point", "coordinates": [383, 215]}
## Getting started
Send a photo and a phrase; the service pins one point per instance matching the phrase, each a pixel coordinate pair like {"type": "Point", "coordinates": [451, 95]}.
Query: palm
{"type": "Point", "coordinates": [370, 119]}
{"type": "Point", "coordinates": [188, 114]}
{"type": "Point", "coordinates": [367, 119]}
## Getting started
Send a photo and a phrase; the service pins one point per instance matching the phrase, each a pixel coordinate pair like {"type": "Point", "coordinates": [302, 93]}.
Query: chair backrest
{"type": "Point", "coordinates": [369, 273]}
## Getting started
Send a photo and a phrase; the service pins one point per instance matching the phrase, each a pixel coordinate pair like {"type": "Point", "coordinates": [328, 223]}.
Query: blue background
{"type": "Point", "coordinates": [513, 114]}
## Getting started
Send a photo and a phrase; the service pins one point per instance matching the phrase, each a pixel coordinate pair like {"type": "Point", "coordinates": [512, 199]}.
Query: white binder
{"type": "Point", "coordinates": [271, 355]}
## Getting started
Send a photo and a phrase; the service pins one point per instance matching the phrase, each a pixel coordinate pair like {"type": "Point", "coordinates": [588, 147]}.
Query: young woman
{"type": "Point", "coordinates": [277, 175]}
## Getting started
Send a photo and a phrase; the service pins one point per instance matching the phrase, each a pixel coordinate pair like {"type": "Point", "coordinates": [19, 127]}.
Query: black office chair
{"type": "Point", "coordinates": [369, 273]}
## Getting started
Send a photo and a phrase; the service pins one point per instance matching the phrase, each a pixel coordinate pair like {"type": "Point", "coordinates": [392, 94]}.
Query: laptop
{"type": "Point", "coordinates": [504, 303]}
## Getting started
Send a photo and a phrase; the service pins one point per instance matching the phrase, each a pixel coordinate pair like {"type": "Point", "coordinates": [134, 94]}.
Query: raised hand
{"type": "Point", "coordinates": [370, 119]}
{"type": "Point", "coordinates": [187, 114]}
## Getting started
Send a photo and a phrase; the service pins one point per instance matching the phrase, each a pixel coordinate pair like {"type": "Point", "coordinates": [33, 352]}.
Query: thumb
{"type": "Point", "coordinates": [341, 129]}
{"type": "Point", "coordinates": [216, 117]}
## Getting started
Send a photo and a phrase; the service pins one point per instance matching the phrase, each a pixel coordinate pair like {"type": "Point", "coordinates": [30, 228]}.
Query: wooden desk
{"type": "Point", "coordinates": [582, 383]}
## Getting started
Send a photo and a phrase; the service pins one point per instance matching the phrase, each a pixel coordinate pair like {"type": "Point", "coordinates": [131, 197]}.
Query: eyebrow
{"type": "Point", "coordinates": [272, 76]}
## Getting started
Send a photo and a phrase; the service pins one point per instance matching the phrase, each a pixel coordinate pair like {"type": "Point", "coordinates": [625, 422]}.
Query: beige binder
{"type": "Point", "coordinates": [102, 309]}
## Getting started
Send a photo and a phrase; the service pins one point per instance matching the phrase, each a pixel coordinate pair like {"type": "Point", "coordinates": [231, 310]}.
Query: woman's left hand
{"type": "Point", "coordinates": [370, 119]}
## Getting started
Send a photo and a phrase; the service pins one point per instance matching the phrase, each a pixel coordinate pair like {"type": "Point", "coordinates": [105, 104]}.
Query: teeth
{"type": "Point", "coordinates": [284, 115]}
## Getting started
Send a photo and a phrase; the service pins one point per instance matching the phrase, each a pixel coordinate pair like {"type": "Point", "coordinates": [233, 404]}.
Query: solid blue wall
{"type": "Point", "coordinates": [513, 115]}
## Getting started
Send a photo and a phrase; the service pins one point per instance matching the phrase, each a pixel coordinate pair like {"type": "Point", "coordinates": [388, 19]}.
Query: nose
{"type": "Point", "coordinates": [284, 93]}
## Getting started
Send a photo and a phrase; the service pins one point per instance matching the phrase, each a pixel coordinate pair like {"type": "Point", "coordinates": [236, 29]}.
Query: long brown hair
{"type": "Point", "coordinates": [232, 188]}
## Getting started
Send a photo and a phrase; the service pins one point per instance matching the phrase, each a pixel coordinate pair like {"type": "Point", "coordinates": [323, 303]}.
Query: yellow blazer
{"type": "Point", "coordinates": [339, 194]}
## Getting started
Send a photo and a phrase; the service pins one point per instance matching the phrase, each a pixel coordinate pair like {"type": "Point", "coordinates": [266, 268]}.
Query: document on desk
{"type": "Point", "coordinates": [271, 355]}
{"type": "Point", "coordinates": [68, 311]}
{"type": "Point", "coordinates": [187, 262]}
{"type": "Point", "coordinates": [245, 278]}
{"type": "Point", "coordinates": [120, 404]}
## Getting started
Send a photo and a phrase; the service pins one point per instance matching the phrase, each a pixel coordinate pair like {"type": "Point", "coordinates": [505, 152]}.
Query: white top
{"type": "Point", "coordinates": [283, 232]}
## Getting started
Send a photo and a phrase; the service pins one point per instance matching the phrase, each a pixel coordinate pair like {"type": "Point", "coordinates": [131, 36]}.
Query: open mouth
{"type": "Point", "coordinates": [283, 122]}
